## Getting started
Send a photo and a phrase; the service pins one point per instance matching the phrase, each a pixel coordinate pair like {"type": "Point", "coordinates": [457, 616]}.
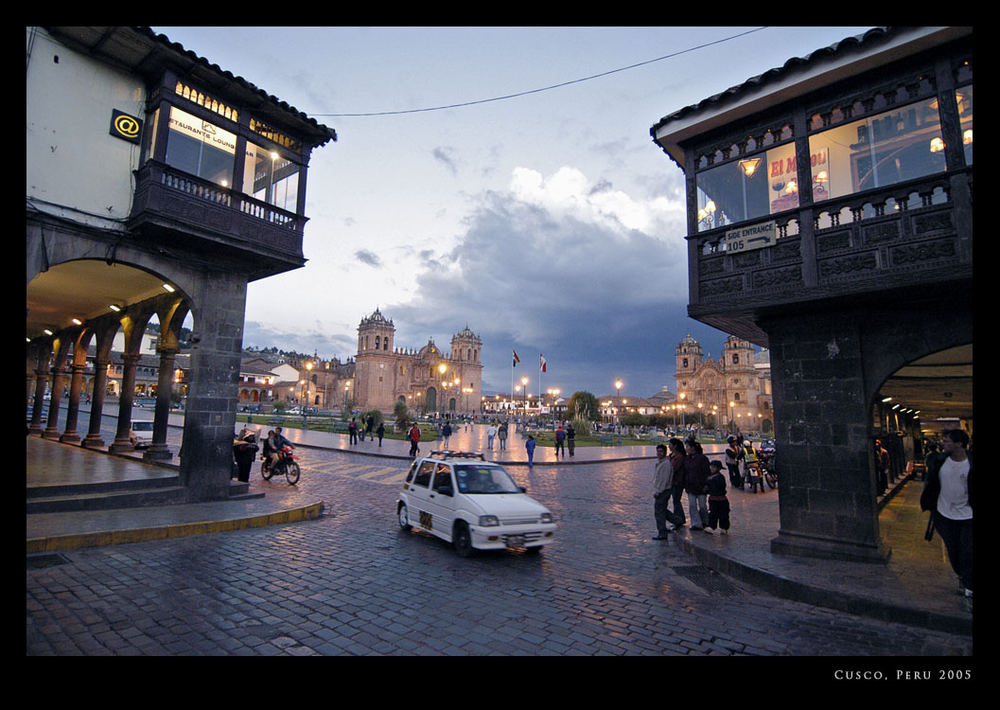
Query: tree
{"type": "Point", "coordinates": [585, 405]}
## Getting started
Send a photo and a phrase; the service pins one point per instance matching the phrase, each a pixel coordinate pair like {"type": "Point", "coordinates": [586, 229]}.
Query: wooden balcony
{"type": "Point", "coordinates": [176, 208]}
{"type": "Point", "coordinates": [912, 234]}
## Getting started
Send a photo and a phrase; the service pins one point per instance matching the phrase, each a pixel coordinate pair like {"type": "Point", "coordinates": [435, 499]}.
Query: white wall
{"type": "Point", "coordinates": [71, 158]}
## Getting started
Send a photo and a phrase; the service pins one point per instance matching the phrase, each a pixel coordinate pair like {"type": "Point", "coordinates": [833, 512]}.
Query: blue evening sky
{"type": "Point", "coordinates": [547, 222]}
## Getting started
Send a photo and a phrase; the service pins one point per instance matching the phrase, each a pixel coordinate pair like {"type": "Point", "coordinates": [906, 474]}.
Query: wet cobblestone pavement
{"type": "Point", "coordinates": [353, 583]}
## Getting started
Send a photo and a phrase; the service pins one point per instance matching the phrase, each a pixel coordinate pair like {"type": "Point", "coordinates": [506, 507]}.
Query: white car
{"type": "Point", "coordinates": [142, 432]}
{"type": "Point", "coordinates": [471, 503]}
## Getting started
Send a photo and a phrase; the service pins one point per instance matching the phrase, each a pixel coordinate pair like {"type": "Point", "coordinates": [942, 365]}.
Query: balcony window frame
{"type": "Point", "coordinates": [155, 147]}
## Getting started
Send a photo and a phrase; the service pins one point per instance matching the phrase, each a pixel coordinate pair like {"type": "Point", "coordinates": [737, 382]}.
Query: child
{"type": "Point", "coordinates": [718, 503]}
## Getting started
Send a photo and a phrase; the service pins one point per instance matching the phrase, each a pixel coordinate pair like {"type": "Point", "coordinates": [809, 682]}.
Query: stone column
{"type": "Point", "coordinates": [55, 399]}
{"type": "Point", "coordinates": [827, 498]}
{"type": "Point", "coordinates": [164, 386]}
{"type": "Point", "coordinates": [93, 438]}
{"type": "Point", "coordinates": [121, 442]}
{"type": "Point", "coordinates": [73, 410]}
{"type": "Point", "coordinates": [36, 411]}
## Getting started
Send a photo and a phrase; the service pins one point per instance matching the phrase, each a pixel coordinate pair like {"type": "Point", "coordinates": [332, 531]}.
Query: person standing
{"type": "Point", "coordinates": [352, 430]}
{"type": "Point", "coordinates": [560, 438]}
{"type": "Point", "coordinates": [381, 432]}
{"type": "Point", "coordinates": [733, 462]}
{"type": "Point", "coordinates": [529, 446]}
{"type": "Point", "coordinates": [882, 465]}
{"type": "Point", "coordinates": [947, 495]}
{"type": "Point", "coordinates": [663, 484]}
{"type": "Point", "coordinates": [446, 433]}
{"type": "Point", "coordinates": [369, 425]}
{"type": "Point", "coordinates": [502, 436]}
{"type": "Point", "coordinates": [245, 450]}
{"type": "Point", "coordinates": [696, 473]}
{"type": "Point", "coordinates": [414, 437]}
{"type": "Point", "coordinates": [676, 457]}
{"type": "Point", "coordinates": [491, 432]}
{"type": "Point", "coordinates": [570, 438]}
{"type": "Point", "coordinates": [718, 503]}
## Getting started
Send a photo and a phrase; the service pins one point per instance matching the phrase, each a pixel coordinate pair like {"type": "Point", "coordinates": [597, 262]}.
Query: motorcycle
{"type": "Point", "coordinates": [286, 464]}
{"type": "Point", "coordinates": [768, 469]}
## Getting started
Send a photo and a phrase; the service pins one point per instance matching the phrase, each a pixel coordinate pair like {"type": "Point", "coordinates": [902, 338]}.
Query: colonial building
{"type": "Point", "coordinates": [427, 379]}
{"type": "Point", "coordinates": [830, 220]}
{"type": "Point", "coordinates": [733, 391]}
{"type": "Point", "coordinates": [157, 183]}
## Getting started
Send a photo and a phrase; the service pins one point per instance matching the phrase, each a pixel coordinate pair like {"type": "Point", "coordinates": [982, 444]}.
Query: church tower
{"type": "Point", "coordinates": [737, 355]}
{"type": "Point", "coordinates": [688, 356]}
{"type": "Point", "coordinates": [374, 371]}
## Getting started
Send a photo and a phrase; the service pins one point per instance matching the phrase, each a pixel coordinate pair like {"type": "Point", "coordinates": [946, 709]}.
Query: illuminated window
{"type": "Point", "coordinates": [271, 178]}
{"type": "Point", "coordinates": [890, 147]}
{"type": "Point", "coordinates": [200, 148]}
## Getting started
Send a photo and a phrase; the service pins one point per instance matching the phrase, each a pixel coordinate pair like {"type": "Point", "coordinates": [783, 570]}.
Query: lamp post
{"type": "Point", "coordinates": [524, 389]}
{"type": "Point", "coordinates": [618, 387]}
{"type": "Point", "coordinates": [731, 406]}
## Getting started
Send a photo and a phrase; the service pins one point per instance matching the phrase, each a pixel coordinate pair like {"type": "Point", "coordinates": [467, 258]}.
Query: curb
{"type": "Point", "coordinates": [162, 532]}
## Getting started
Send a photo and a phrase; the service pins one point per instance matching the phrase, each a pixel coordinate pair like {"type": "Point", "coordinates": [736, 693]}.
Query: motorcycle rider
{"type": "Point", "coordinates": [276, 444]}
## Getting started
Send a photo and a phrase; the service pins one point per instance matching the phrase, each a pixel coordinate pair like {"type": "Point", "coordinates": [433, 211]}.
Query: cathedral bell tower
{"type": "Point", "coordinates": [688, 355]}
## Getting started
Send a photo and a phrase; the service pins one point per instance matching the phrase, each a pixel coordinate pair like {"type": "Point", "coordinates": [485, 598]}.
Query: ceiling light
{"type": "Point", "coordinates": [77, 321]}
{"type": "Point", "coordinates": [115, 308]}
{"type": "Point", "coordinates": [47, 331]}
{"type": "Point", "coordinates": [168, 288]}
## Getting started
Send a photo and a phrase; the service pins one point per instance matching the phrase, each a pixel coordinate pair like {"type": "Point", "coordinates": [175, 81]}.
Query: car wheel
{"type": "Point", "coordinates": [461, 539]}
{"type": "Point", "coordinates": [404, 521]}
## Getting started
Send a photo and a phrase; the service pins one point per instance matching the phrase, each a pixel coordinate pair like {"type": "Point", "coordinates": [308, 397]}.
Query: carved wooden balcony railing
{"type": "Point", "coordinates": [189, 207]}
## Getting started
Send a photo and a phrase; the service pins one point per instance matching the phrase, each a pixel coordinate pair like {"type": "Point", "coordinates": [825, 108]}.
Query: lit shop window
{"type": "Point", "coordinates": [200, 148]}
{"type": "Point", "coordinates": [755, 186]}
{"type": "Point", "coordinates": [898, 145]}
{"type": "Point", "coordinates": [271, 178]}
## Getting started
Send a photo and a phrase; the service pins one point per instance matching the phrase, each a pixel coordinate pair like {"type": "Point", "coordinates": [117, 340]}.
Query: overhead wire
{"type": "Point", "coordinates": [541, 89]}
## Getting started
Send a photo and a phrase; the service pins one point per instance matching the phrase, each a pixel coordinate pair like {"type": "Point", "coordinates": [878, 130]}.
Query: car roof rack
{"type": "Point", "coordinates": [448, 454]}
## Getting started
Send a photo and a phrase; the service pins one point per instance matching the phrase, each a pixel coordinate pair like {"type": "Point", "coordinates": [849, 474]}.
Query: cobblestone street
{"type": "Point", "coordinates": [353, 583]}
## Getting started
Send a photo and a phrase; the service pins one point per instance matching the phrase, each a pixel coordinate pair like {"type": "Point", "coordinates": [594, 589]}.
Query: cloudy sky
{"type": "Point", "coordinates": [500, 178]}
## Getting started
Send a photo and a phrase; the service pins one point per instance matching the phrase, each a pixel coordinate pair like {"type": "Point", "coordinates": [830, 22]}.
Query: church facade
{"type": "Point", "coordinates": [731, 393]}
{"type": "Point", "coordinates": [427, 380]}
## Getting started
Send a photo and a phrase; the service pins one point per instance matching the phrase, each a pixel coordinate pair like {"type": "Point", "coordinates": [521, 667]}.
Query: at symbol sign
{"type": "Point", "coordinates": [127, 126]}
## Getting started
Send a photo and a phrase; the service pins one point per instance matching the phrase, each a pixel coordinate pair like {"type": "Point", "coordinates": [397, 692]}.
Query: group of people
{"type": "Point", "coordinates": [354, 427]}
{"type": "Point", "coordinates": [493, 431]}
{"type": "Point", "coordinates": [686, 469]}
{"type": "Point", "coordinates": [743, 464]}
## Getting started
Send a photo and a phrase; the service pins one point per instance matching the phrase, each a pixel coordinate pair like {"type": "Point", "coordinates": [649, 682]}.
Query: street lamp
{"type": "Point", "coordinates": [731, 405]}
{"type": "Point", "coordinates": [524, 382]}
{"type": "Point", "coordinates": [618, 387]}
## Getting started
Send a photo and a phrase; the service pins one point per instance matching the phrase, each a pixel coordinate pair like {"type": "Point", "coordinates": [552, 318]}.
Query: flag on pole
{"type": "Point", "coordinates": [516, 359]}
{"type": "Point", "coordinates": [541, 362]}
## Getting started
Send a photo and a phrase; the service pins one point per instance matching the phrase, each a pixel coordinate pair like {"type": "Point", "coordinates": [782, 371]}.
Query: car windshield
{"type": "Point", "coordinates": [472, 478]}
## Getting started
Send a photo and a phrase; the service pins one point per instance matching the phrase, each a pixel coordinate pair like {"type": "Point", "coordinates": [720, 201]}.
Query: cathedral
{"type": "Point", "coordinates": [733, 392]}
{"type": "Point", "coordinates": [427, 380]}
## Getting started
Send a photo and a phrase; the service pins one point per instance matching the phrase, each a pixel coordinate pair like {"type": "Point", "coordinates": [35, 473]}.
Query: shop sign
{"type": "Point", "coordinates": [124, 126]}
{"type": "Point", "coordinates": [755, 236]}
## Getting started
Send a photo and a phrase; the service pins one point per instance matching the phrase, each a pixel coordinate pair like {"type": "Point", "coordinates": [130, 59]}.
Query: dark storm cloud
{"type": "Point", "coordinates": [598, 300]}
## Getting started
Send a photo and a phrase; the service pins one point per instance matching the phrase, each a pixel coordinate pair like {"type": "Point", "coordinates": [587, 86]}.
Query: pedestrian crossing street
{"type": "Point", "coordinates": [374, 472]}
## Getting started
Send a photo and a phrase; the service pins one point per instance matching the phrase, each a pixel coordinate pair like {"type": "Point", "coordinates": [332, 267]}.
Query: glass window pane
{"type": "Point", "coordinates": [756, 186]}
{"type": "Point", "coordinates": [898, 145]}
{"type": "Point", "coordinates": [271, 178]}
{"type": "Point", "coordinates": [200, 148]}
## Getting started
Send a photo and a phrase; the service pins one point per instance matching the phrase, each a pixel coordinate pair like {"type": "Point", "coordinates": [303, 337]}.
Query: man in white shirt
{"type": "Point", "coordinates": [948, 495]}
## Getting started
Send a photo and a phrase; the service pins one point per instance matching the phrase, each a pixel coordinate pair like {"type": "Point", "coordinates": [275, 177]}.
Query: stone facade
{"type": "Point", "coordinates": [427, 379]}
{"type": "Point", "coordinates": [735, 390]}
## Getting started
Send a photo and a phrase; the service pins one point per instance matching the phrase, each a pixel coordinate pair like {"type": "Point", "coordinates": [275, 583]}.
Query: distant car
{"type": "Point", "coordinates": [472, 503]}
{"type": "Point", "coordinates": [142, 431]}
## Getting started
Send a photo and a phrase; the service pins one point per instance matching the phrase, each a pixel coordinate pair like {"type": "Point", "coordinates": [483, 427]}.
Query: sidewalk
{"type": "Point", "coordinates": [915, 587]}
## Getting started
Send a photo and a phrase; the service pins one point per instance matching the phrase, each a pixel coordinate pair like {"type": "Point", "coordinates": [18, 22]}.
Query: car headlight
{"type": "Point", "coordinates": [545, 518]}
{"type": "Point", "coordinates": [488, 521]}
